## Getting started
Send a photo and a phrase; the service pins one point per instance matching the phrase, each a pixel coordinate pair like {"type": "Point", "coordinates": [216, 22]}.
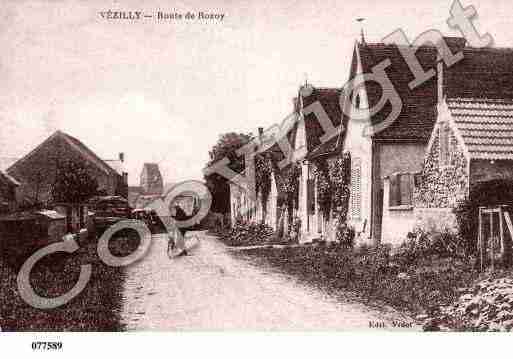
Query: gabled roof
{"type": "Point", "coordinates": [329, 98]}
{"type": "Point", "coordinates": [485, 126]}
{"type": "Point", "coordinates": [77, 145]}
{"type": "Point", "coordinates": [418, 113]}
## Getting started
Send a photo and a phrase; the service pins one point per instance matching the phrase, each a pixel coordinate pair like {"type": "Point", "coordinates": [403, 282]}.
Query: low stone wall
{"type": "Point", "coordinates": [435, 219]}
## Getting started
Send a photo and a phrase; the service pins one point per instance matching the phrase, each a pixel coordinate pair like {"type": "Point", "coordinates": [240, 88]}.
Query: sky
{"type": "Point", "coordinates": [163, 91]}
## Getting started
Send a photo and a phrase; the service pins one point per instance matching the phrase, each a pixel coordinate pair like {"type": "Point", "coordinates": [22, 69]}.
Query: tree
{"type": "Point", "coordinates": [226, 147]}
{"type": "Point", "coordinates": [73, 183]}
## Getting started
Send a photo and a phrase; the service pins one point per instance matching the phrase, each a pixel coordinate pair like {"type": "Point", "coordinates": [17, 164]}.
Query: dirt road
{"type": "Point", "coordinates": [211, 290]}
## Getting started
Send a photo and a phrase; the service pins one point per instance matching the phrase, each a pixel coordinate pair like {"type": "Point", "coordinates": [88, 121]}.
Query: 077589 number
{"type": "Point", "coordinates": [46, 345]}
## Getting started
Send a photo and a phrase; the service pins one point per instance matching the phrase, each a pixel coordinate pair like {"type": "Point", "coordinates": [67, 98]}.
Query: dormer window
{"type": "Point", "coordinates": [444, 136]}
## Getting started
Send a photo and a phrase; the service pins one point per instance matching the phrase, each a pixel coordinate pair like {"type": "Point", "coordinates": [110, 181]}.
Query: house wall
{"type": "Point", "coordinates": [272, 205]}
{"type": "Point", "coordinates": [360, 148]}
{"type": "Point", "coordinates": [37, 172]}
{"type": "Point", "coordinates": [400, 157]}
{"type": "Point", "coordinates": [440, 187]}
{"type": "Point", "coordinates": [397, 221]}
{"type": "Point", "coordinates": [389, 224]}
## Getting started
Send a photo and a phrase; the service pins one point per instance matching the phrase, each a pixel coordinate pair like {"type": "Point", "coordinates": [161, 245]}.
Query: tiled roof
{"type": "Point", "coordinates": [418, 113]}
{"type": "Point", "coordinates": [482, 73]}
{"type": "Point", "coordinates": [88, 151]}
{"type": "Point", "coordinates": [329, 98]}
{"type": "Point", "coordinates": [72, 141]}
{"type": "Point", "coordinates": [486, 126]}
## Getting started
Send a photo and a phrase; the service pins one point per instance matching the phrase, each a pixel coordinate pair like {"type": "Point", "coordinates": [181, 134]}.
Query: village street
{"type": "Point", "coordinates": [211, 290]}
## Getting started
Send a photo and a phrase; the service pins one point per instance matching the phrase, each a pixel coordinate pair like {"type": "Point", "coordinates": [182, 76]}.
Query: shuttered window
{"type": "Point", "coordinates": [401, 189]}
{"type": "Point", "coordinates": [356, 188]}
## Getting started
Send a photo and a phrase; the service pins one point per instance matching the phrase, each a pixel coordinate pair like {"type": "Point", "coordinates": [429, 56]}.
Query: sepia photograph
{"type": "Point", "coordinates": [250, 166]}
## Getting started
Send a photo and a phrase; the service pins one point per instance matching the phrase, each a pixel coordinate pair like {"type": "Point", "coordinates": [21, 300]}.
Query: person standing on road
{"type": "Point", "coordinates": [180, 216]}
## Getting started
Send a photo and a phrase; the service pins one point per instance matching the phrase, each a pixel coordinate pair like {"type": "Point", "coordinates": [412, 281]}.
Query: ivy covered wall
{"type": "Point", "coordinates": [442, 186]}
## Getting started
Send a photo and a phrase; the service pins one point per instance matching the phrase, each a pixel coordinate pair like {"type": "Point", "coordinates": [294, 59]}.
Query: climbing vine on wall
{"type": "Point", "coordinates": [340, 175]}
{"type": "Point", "coordinates": [263, 173]}
{"type": "Point", "coordinates": [324, 186]}
{"type": "Point", "coordinates": [288, 182]}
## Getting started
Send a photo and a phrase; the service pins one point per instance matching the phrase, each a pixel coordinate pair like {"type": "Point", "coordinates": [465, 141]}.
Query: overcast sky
{"type": "Point", "coordinates": [164, 91]}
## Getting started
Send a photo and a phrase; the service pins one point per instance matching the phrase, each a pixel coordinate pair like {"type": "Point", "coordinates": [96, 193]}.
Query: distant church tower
{"type": "Point", "coordinates": [151, 179]}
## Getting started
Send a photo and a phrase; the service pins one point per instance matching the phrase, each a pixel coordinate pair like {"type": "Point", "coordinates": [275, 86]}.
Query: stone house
{"type": "Point", "coordinates": [8, 193]}
{"type": "Point", "coordinates": [313, 144]}
{"type": "Point", "coordinates": [306, 136]}
{"type": "Point", "coordinates": [36, 172]}
{"type": "Point", "coordinates": [241, 206]}
{"type": "Point", "coordinates": [379, 211]}
{"type": "Point", "coordinates": [471, 142]}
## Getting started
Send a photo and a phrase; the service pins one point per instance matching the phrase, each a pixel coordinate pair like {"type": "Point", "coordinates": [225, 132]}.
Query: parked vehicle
{"type": "Point", "coordinates": [109, 210]}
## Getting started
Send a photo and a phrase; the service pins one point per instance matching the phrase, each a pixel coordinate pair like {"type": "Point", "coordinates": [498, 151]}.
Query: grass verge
{"type": "Point", "coordinates": [96, 308]}
{"type": "Point", "coordinates": [371, 275]}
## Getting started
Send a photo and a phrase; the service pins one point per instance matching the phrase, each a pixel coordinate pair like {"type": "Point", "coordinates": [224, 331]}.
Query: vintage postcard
{"type": "Point", "coordinates": [243, 165]}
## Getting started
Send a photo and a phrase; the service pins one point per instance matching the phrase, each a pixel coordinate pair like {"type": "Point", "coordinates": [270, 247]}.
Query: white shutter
{"type": "Point", "coordinates": [356, 188]}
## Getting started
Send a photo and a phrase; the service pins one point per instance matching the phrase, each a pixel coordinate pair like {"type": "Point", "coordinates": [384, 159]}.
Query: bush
{"type": "Point", "coordinates": [345, 234]}
{"type": "Point", "coordinates": [422, 245]}
{"type": "Point", "coordinates": [248, 234]}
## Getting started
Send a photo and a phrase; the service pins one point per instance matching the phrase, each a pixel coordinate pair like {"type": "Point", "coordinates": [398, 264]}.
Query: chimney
{"type": "Point", "coordinates": [260, 132]}
{"type": "Point", "coordinates": [122, 156]}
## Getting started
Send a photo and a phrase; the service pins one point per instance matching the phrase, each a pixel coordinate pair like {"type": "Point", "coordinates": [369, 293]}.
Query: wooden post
{"type": "Point", "coordinates": [510, 229]}
{"type": "Point", "coordinates": [501, 229]}
{"type": "Point", "coordinates": [492, 244]}
{"type": "Point", "coordinates": [480, 238]}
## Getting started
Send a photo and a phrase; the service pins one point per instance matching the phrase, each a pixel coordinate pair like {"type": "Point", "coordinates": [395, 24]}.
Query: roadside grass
{"type": "Point", "coordinates": [370, 275]}
{"type": "Point", "coordinates": [96, 308]}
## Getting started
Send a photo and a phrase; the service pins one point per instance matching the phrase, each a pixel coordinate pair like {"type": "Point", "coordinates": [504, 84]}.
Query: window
{"type": "Point", "coordinates": [356, 188]}
{"type": "Point", "coordinates": [401, 185]}
{"type": "Point", "coordinates": [357, 101]}
{"type": "Point", "coordinates": [444, 144]}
